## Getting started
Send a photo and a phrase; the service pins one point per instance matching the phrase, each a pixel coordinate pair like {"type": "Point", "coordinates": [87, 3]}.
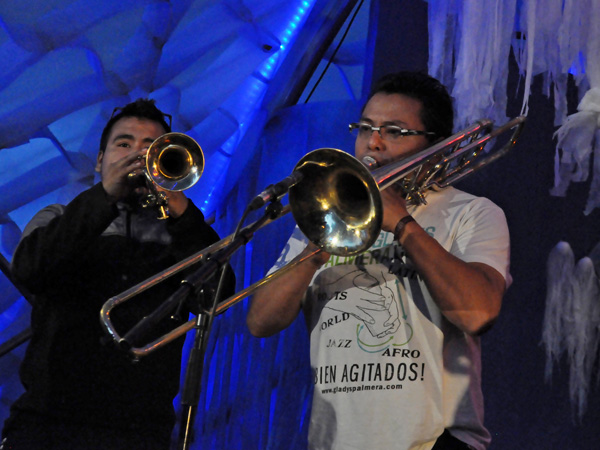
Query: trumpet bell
{"type": "Point", "coordinates": [175, 162]}
{"type": "Point", "coordinates": [337, 205]}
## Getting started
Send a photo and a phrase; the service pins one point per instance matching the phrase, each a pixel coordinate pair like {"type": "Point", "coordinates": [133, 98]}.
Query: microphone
{"type": "Point", "coordinates": [275, 191]}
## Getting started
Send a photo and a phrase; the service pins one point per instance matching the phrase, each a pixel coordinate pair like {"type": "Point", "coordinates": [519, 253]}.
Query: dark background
{"type": "Point", "coordinates": [522, 410]}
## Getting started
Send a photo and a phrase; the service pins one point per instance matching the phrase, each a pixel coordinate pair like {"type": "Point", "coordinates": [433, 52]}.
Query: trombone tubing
{"type": "Point", "coordinates": [461, 172]}
{"type": "Point", "coordinates": [389, 174]}
{"type": "Point", "coordinates": [158, 278]}
{"type": "Point", "coordinates": [138, 352]}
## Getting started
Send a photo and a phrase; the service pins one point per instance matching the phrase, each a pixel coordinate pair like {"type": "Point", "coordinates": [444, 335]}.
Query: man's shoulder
{"type": "Point", "coordinates": [454, 197]}
{"type": "Point", "coordinates": [43, 217]}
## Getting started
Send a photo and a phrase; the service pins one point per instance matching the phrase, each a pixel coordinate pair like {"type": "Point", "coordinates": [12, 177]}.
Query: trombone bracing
{"type": "Point", "coordinates": [337, 205]}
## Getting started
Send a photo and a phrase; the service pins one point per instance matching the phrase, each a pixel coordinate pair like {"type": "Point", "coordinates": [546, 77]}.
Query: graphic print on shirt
{"type": "Point", "coordinates": [376, 306]}
{"type": "Point", "coordinates": [360, 307]}
{"type": "Point", "coordinates": [370, 290]}
{"type": "Point", "coordinates": [363, 313]}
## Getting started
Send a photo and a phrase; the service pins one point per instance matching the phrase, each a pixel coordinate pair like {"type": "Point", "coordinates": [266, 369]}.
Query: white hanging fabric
{"type": "Point", "coordinates": [577, 141]}
{"type": "Point", "coordinates": [560, 267]}
{"type": "Point", "coordinates": [582, 348]}
{"type": "Point", "coordinates": [571, 321]}
{"type": "Point", "coordinates": [469, 48]}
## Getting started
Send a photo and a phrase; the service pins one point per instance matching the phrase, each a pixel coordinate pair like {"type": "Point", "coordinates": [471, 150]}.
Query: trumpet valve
{"type": "Point", "coordinates": [148, 200]}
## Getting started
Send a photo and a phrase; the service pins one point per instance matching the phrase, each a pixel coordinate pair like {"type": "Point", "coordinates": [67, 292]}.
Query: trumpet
{"type": "Point", "coordinates": [174, 162]}
{"type": "Point", "coordinates": [337, 205]}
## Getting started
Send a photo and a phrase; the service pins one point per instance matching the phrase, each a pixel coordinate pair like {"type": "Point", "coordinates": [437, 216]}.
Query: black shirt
{"type": "Point", "coordinates": [73, 259]}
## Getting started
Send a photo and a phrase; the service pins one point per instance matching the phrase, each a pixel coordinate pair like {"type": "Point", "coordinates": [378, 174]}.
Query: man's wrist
{"type": "Point", "coordinates": [399, 228]}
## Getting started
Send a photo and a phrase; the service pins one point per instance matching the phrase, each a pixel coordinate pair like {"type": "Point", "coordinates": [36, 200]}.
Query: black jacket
{"type": "Point", "coordinates": [73, 259]}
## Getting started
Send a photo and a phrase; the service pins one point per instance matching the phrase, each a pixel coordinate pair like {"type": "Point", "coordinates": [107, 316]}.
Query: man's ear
{"type": "Point", "coordinates": [98, 167]}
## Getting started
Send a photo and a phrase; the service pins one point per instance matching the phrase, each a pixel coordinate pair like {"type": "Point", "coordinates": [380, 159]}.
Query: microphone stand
{"type": "Point", "coordinates": [193, 378]}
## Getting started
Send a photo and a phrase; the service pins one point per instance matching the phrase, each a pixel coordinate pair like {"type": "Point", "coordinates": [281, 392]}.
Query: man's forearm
{"type": "Point", "coordinates": [468, 294]}
{"type": "Point", "coordinates": [277, 303]}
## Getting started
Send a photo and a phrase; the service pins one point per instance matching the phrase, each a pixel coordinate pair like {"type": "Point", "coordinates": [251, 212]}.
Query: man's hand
{"type": "Point", "coordinates": [177, 202]}
{"type": "Point", "coordinates": [394, 208]}
{"type": "Point", "coordinates": [115, 174]}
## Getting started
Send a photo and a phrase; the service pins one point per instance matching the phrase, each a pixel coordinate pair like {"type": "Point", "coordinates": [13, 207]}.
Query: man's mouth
{"type": "Point", "coordinates": [370, 162]}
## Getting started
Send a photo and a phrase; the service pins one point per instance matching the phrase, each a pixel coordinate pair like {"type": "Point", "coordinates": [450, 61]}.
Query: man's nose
{"type": "Point", "coordinates": [143, 147]}
{"type": "Point", "coordinates": [375, 141]}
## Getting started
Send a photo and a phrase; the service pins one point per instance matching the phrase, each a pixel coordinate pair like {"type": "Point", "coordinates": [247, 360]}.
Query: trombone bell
{"type": "Point", "coordinates": [337, 204]}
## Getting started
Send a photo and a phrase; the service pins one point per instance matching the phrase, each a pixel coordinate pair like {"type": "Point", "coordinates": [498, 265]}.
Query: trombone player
{"type": "Point", "coordinates": [80, 394]}
{"type": "Point", "coordinates": [394, 332]}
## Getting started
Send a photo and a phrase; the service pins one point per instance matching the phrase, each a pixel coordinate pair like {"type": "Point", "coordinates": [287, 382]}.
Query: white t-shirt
{"type": "Point", "coordinates": [389, 370]}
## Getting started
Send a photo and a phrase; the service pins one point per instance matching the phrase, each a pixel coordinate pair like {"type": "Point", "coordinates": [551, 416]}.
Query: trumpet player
{"type": "Point", "coordinates": [79, 393]}
{"type": "Point", "coordinates": [395, 332]}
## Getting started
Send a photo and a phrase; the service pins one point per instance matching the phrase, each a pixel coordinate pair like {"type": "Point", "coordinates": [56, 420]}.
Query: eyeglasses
{"type": "Point", "coordinates": [168, 117]}
{"type": "Point", "coordinates": [386, 132]}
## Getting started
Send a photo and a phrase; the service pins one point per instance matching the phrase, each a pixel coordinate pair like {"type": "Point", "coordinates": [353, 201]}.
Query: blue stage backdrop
{"type": "Point", "coordinates": [236, 77]}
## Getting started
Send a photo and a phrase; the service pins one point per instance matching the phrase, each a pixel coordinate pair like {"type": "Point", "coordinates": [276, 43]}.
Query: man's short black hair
{"type": "Point", "coordinates": [437, 114]}
{"type": "Point", "coordinates": [142, 108]}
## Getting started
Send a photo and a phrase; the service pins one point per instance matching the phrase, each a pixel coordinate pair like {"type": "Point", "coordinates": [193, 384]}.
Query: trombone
{"type": "Point", "coordinates": [337, 205]}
